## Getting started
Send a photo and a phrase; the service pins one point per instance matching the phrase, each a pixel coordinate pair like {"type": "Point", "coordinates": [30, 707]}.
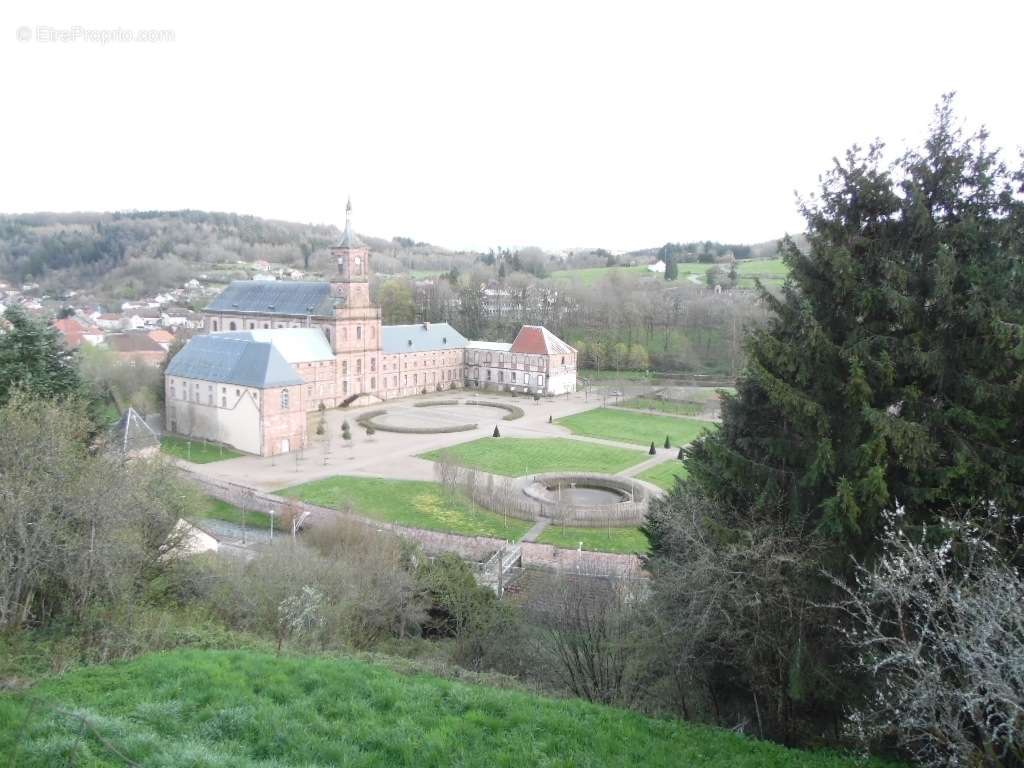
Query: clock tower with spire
{"type": "Point", "coordinates": [355, 336]}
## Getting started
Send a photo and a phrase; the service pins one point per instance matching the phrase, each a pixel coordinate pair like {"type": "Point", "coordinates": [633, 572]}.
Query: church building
{"type": "Point", "coordinates": [277, 350]}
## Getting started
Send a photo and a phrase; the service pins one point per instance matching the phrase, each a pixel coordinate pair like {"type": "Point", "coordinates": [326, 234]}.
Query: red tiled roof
{"type": "Point", "coordinates": [538, 340]}
{"type": "Point", "coordinates": [161, 336]}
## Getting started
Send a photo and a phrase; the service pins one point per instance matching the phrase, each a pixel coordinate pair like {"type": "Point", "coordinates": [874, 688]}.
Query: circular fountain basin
{"type": "Point", "coordinates": [578, 494]}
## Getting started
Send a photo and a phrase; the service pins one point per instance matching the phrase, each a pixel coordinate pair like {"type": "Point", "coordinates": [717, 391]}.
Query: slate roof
{"type": "Point", "coordinates": [132, 342]}
{"type": "Point", "coordinates": [493, 346]}
{"type": "Point", "coordinates": [538, 340]}
{"type": "Point", "coordinates": [220, 358]}
{"type": "Point", "coordinates": [275, 297]}
{"type": "Point", "coordinates": [421, 337]}
{"type": "Point", "coordinates": [296, 345]}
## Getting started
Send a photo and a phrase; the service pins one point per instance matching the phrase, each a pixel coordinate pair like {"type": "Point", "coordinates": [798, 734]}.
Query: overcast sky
{"type": "Point", "coordinates": [478, 124]}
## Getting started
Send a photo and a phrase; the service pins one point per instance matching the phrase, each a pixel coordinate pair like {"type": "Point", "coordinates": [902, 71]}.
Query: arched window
{"type": "Point", "coordinates": [359, 331]}
{"type": "Point", "coordinates": [284, 399]}
{"type": "Point", "coordinates": [214, 326]}
{"type": "Point", "coordinates": [373, 364]}
{"type": "Point", "coordinates": [232, 326]}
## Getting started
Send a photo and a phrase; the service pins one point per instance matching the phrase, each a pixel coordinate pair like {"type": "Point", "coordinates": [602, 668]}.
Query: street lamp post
{"type": "Point", "coordinates": [271, 525]}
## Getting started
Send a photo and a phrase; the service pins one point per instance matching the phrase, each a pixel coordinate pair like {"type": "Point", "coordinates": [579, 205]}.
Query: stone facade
{"type": "Point", "coordinates": [370, 363]}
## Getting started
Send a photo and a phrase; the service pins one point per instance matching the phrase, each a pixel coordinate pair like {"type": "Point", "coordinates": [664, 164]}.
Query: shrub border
{"type": "Point", "coordinates": [514, 411]}
{"type": "Point", "coordinates": [367, 420]}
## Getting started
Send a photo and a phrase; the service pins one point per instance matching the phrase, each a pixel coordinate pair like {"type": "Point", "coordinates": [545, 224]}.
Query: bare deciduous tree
{"type": "Point", "coordinates": [939, 627]}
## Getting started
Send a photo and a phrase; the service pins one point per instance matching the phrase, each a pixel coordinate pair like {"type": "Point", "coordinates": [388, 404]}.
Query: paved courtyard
{"type": "Point", "coordinates": [393, 454]}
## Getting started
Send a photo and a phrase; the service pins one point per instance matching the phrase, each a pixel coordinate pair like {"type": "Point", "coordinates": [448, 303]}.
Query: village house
{"type": "Point", "coordinates": [278, 350]}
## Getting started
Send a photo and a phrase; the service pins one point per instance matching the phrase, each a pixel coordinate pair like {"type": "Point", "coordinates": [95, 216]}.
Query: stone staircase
{"type": "Point", "coordinates": [501, 569]}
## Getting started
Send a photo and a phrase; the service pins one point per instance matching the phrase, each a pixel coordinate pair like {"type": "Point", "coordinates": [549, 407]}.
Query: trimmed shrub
{"type": "Point", "coordinates": [653, 450]}
{"type": "Point", "coordinates": [514, 411]}
{"type": "Point", "coordinates": [668, 442]}
{"type": "Point", "coordinates": [496, 432]}
{"type": "Point", "coordinates": [432, 403]}
{"type": "Point", "coordinates": [681, 455]}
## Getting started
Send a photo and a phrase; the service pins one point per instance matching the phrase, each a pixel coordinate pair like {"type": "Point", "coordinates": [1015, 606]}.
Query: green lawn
{"type": "Point", "coordinates": [625, 541]}
{"type": "Point", "coordinates": [221, 510]}
{"type": "Point", "coordinates": [770, 268]}
{"type": "Point", "coordinates": [596, 274]}
{"type": "Point", "coordinates": [637, 428]}
{"type": "Point", "coordinates": [247, 709]}
{"type": "Point", "coordinates": [413, 503]}
{"type": "Point", "coordinates": [198, 453]}
{"type": "Point", "coordinates": [677, 407]}
{"type": "Point", "coordinates": [664, 475]}
{"type": "Point", "coordinates": [515, 456]}
{"type": "Point", "coordinates": [604, 375]}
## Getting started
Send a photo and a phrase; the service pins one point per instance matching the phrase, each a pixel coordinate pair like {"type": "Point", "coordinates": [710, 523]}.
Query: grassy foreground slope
{"type": "Point", "coordinates": [244, 709]}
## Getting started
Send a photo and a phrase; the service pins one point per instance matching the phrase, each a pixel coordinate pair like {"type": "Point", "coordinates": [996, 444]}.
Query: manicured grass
{"type": "Point", "coordinates": [664, 475]}
{"type": "Point", "coordinates": [515, 456]}
{"type": "Point", "coordinates": [221, 510]}
{"type": "Point", "coordinates": [199, 453]}
{"type": "Point", "coordinates": [637, 428]}
{"type": "Point", "coordinates": [676, 407]}
{"type": "Point", "coordinates": [246, 709]}
{"type": "Point", "coordinates": [626, 541]}
{"type": "Point", "coordinates": [413, 503]}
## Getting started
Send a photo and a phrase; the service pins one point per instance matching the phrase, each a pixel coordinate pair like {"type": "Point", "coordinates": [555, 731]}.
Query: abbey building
{"type": "Point", "coordinates": [278, 350]}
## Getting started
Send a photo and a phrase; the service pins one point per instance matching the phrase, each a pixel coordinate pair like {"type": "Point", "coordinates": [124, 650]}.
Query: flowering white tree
{"type": "Point", "coordinates": [939, 626]}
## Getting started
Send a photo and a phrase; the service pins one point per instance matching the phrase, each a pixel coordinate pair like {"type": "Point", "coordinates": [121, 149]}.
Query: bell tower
{"type": "Point", "coordinates": [356, 333]}
{"type": "Point", "coordinates": [351, 284]}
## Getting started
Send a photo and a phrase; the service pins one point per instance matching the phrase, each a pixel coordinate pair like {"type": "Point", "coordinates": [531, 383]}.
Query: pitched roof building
{"type": "Point", "coordinates": [279, 350]}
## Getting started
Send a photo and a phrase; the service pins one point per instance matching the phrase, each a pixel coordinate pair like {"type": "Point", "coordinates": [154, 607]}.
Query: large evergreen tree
{"type": "Point", "coordinates": [33, 358]}
{"type": "Point", "coordinates": [891, 375]}
{"type": "Point", "coordinates": [893, 370]}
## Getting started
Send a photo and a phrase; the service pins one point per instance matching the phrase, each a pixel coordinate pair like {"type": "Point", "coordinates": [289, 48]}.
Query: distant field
{"type": "Point", "coordinates": [596, 274]}
{"type": "Point", "coordinates": [763, 267]}
{"type": "Point", "coordinates": [516, 456]}
{"type": "Point", "coordinates": [198, 452]}
{"type": "Point", "coordinates": [664, 475]}
{"type": "Point", "coordinates": [412, 503]}
{"type": "Point", "coordinates": [247, 709]}
{"type": "Point", "coordinates": [637, 428]}
{"type": "Point", "coordinates": [624, 541]}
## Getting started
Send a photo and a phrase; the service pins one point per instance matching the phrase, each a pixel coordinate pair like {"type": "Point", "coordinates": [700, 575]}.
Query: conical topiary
{"type": "Point", "coordinates": [549, 419]}
{"type": "Point", "coordinates": [668, 443]}
{"type": "Point", "coordinates": [496, 432]}
{"type": "Point", "coordinates": [653, 450]}
{"type": "Point", "coordinates": [681, 456]}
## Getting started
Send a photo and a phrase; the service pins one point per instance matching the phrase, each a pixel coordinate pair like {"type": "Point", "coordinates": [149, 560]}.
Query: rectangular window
{"type": "Point", "coordinates": [223, 401]}
{"type": "Point", "coordinates": [359, 366]}
{"type": "Point", "coordinates": [344, 367]}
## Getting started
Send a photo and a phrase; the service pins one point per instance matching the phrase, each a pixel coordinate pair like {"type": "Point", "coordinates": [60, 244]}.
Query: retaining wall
{"type": "Point", "coordinates": [476, 548]}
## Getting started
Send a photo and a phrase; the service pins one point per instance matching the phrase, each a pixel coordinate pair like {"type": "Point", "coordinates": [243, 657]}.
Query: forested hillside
{"type": "Point", "coordinates": [130, 254]}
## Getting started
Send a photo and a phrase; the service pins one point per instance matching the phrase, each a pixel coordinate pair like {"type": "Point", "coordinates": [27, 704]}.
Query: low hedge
{"type": "Point", "coordinates": [367, 420]}
{"type": "Point", "coordinates": [424, 430]}
{"type": "Point", "coordinates": [431, 403]}
{"type": "Point", "coordinates": [514, 411]}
